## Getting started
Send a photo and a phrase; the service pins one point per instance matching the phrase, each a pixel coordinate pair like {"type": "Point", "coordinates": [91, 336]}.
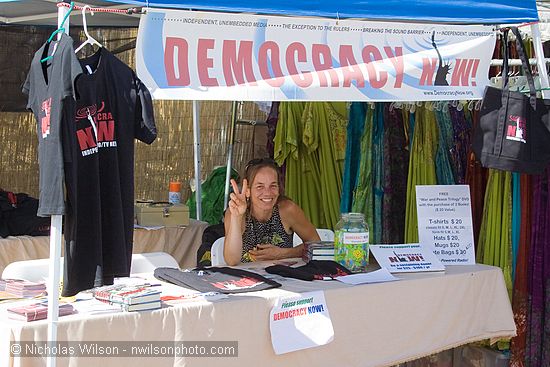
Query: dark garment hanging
{"type": "Point", "coordinates": [443, 167]}
{"type": "Point", "coordinates": [356, 124]}
{"type": "Point", "coordinates": [538, 338]}
{"type": "Point", "coordinates": [462, 132]}
{"type": "Point", "coordinates": [520, 298]}
{"type": "Point", "coordinates": [113, 109]}
{"type": "Point", "coordinates": [476, 178]}
{"type": "Point", "coordinates": [396, 167]}
{"type": "Point", "coordinates": [546, 51]}
{"type": "Point", "coordinates": [377, 172]}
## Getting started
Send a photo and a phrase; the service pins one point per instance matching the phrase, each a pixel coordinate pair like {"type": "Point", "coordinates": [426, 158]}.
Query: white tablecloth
{"type": "Point", "coordinates": [375, 324]}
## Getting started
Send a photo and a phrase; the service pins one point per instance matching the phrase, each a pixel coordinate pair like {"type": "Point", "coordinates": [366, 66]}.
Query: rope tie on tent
{"type": "Point", "coordinates": [105, 10]}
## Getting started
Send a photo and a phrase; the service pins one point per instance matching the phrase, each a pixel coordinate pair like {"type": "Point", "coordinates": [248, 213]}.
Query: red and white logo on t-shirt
{"type": "Point", "coordinates": [99, 132]}
{"type": "Point", "coordinates": [45, 121]}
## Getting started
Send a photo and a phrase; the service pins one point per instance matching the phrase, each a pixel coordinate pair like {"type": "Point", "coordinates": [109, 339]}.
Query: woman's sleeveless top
{"type": "Point", "coordinates": [257, 232]}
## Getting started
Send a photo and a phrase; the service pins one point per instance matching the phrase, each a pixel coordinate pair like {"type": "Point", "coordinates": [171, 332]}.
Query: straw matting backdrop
{"type": "Point", "coordinates": [169, 158]}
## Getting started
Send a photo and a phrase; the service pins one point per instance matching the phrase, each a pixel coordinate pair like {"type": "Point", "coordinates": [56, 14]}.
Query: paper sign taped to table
{"type": "Point", "coordinates": [300, 322]}
{"type": "Point", "coordinates": [406, 258]}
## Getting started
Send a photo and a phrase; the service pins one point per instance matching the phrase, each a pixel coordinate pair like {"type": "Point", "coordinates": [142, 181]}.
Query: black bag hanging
{"type": "Point", "coordinates": [513, 133]}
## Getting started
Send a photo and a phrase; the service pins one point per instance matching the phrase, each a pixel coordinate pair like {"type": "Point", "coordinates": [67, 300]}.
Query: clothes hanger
{"type": "Point", "coordinates": [478, 104]}
{"type": "Point", "coordinates": [58, 30]}
{"type": "Point", "coordinates": [89, 39]}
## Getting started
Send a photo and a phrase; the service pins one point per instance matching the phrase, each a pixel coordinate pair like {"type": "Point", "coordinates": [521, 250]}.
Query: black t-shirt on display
{"type": "Point", "coordinates": [113, 108]}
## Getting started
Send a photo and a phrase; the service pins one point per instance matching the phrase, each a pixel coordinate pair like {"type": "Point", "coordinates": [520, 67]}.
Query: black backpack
{"type": "Point", "coordinates": [18, 216]}
{"type": "Point", "coordinates": [209, 236]}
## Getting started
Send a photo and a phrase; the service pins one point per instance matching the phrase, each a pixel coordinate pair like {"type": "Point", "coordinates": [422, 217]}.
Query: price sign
{"type": "Point", "coordinates": [445, 221]}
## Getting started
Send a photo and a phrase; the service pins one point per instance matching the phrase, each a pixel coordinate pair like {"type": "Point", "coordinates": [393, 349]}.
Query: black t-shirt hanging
{"type": "Point", "coordinates": [113, 107]}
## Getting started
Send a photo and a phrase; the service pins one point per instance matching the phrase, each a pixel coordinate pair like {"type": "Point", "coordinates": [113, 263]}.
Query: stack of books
{"type": "Point", "coordinates": [4, 282]}
{"type": "Point", "coordinates": [24, 288]}
{"type": "Point", "coordinates": [318, 250]}
{"type": "Point", "coordinates": [130, 297]}
{"type": "Point", "coordinates": [37, 311]}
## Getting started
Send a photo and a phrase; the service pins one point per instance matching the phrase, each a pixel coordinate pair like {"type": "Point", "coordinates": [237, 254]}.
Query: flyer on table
{"type": "Point", "coordinates": [405, 258]}
{"type": "Point", "coordinates": [445, 222]}
{"type": "Point", "coordinates": [300, 322]}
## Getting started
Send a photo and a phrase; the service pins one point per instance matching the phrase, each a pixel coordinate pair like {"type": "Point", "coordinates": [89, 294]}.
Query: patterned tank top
{"type": "Point", "coordinates": [257, 232]}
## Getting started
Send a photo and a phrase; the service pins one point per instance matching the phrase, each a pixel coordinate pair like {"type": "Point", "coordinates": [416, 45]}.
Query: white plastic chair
{"type": "Point", "coordinates": [38, 270]}
{"type": "Point", "coordinates": [31, 270]}
{"type": "Point", "coordinates": [216, 252]}
{"type": "Point", "coordinates": [147, 262]}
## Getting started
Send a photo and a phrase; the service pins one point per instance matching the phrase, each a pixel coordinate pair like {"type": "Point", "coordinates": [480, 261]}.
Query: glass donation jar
{"type": "Point", "coordinates": [351, 242]}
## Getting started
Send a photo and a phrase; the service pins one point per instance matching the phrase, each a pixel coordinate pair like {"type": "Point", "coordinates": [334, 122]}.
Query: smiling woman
{"type": "Point", "coordinates": [261, 222]}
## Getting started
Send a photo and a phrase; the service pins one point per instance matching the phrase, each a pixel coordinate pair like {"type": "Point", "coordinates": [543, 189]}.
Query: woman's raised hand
{"type": "Point", "coordinates": [237, 202]}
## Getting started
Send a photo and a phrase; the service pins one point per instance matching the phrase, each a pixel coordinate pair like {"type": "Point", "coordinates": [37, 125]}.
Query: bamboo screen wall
{"type": "Point", "coordinates": [169, 158]}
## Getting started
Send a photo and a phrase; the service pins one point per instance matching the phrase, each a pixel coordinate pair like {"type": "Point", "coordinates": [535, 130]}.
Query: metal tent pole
{"type": "Point", "coordinates": [541, 62]}
{"type": "Point", "coordinates": [197, 156]}
{"type": "Point", "coordinates": [230, 153]}
{"type": "Point", "coordinates": [55, 247]}
{"type": "Point", "coordinates": [53, 278]}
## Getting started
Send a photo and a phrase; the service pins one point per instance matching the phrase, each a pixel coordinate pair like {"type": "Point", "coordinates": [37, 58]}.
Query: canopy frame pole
{"type": "Point", "coordinates": [541, 62]}
{"type": "Point", "coordinates": [230, 153]}
{"type": "Point", "coordinates": [197, 156]}
{"type": "Point", "coordinates": [55, 247]}
{"type": "Point", "coordinates": [53, 289]}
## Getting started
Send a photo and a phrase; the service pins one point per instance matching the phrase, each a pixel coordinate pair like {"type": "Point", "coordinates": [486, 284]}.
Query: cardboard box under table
{"type": "Point", "coordinates": [162, 214]}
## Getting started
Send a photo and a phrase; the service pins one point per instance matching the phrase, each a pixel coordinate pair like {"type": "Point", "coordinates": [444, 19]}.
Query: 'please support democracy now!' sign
{"type": "Point", "coordinates": [222, 56]}
{"type": "Point", "coordinates": [300, 322]}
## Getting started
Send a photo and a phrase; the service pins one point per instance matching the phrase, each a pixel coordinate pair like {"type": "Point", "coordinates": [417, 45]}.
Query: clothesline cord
{"type": "Point", "coordinates": [519, 26]}
{"type": "Point", "coordinates": [516, 62]}
{"type": "Point", "coordinates": [105, 10]}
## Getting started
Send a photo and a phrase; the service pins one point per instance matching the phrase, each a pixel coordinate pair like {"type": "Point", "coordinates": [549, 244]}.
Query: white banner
{"type": "Point", "coordinates": [220, 56]}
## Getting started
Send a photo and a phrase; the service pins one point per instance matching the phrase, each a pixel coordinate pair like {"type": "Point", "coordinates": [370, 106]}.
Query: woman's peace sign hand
{"type": "Point", "coordinates": [237, 202]}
